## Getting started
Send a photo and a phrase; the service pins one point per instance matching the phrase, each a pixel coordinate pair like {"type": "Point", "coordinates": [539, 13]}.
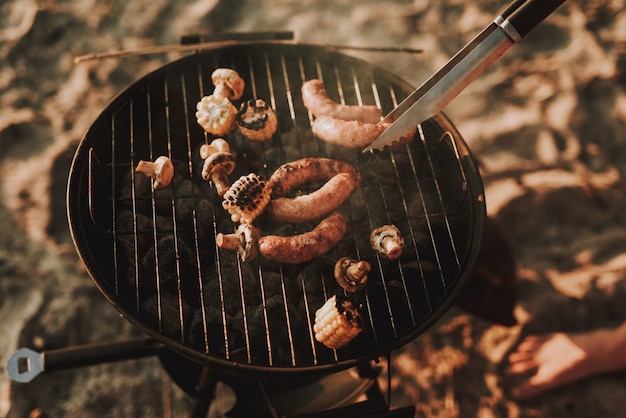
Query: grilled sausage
{"type": "Point", "coordinates": [305, 247]}
{"type": "Point", "coordinates": [317, 101]}
{"type": "Point", "coordinates": [306, 170]}
{"type": "Point", "coordinates": [314, 205]}
{"type": "Point", "coordinates": [351, 133]}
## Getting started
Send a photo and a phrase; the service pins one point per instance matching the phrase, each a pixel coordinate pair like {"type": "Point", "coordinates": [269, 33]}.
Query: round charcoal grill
{"type": "Point", "coordinates": [153, 253]}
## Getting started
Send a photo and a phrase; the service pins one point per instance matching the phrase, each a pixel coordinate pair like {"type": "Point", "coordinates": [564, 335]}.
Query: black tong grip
{"type": "Point", "coordinates": [530, 13]}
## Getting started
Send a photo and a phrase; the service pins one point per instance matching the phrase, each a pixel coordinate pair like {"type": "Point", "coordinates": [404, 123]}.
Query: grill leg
{"type": "Point", "coordinates": [206, 390]}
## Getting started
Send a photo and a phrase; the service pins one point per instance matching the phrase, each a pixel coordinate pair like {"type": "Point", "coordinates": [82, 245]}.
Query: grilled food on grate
{"type": "Point", "coordinates": [257, 120]}
{"type": "Point", "coordinates": [337, 322]}
{"type": "Point", "coordinates": [154, 254]}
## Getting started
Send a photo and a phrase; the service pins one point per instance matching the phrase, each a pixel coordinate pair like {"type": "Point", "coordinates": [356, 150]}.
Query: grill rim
{"type": "Point", "coordinates": [79, 227]}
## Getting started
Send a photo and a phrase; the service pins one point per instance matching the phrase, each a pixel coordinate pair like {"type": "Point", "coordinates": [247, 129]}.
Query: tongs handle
{"type": "Point", "coordinates": [509, 27]}
{"type": "Point", "coordinates": [527, 16]}
{"type": "Point", "coordinates": [510, 8]}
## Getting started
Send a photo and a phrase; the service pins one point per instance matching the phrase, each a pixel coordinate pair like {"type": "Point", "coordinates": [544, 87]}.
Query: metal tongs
{"type": "Point", "coordinates": [511, 25]}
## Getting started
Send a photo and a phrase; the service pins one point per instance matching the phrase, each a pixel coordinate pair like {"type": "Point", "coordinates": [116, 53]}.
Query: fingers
{"type": "Point", "coordinates": [532, 343]}
{"type": "Point", "coordinates": [528, 348]}
{"type": "Point", "coordinates": [522, 359]}
{"type": "Point", "coordinates": [522, 367]}
{"type": "Point", "coordinates": [518, 356]}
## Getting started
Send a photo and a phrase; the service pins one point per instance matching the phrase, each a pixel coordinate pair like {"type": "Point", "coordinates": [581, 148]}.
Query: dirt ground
{"type": "Point", "coordinates": [546, 123]}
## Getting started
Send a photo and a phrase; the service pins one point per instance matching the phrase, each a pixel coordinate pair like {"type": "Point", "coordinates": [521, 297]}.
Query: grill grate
{"type": "Point", "coordinates": [153, 253]}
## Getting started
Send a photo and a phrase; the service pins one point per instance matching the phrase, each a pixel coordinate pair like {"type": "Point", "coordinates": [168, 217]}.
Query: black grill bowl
{"type": "Point", "coordinates": [153, 254]}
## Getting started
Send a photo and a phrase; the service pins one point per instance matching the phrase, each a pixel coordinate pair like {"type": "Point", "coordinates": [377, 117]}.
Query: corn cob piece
{"type": "Point", "coordinates": [247, 198]}
{"type": "Point", "coordinates": [216, 115]}
{"type": "Point", "coordinates": [337, 322]}
{"type": "Point", "coordinates": [257, 120]}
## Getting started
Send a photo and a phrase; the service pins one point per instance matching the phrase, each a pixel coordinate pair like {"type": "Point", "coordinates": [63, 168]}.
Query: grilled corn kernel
{"type": "Point", "coordinates": [337, 322]}
{"type": "Point", "coordinates": [257, 120]}
{"type": "Point", "coordinates": [216, 115]}
{"type": "Point", "coordinates": [247, 198]}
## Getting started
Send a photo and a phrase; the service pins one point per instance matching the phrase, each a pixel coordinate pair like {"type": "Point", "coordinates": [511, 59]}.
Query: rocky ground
{"type": "Point", "coordinates": [547, 123]}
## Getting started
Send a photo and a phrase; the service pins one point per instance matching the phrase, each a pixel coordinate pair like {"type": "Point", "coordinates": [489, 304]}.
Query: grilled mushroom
{"type": "Point", "coordinates": [219, 163]}
{"type": "Point", "coordinates": [247, 198]}
{"type": "Point", "coordinates": [161, 171]}
{"type": "Point", "coordinates": [217, 145]}
{"type": "Point", "coordinates": [388, 241]}
{"type": "Point", "coordinates": [351, 274]}
{"type": "Point", "coordinates": [245, 240]}
{"type": "Point", "coordinates": [227, 83]}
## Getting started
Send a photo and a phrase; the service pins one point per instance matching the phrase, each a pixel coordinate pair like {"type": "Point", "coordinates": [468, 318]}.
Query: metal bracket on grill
{"type": "Point", "coordinates": [99, 208]}
{"type": "Point", "coordinates": [199, 38]}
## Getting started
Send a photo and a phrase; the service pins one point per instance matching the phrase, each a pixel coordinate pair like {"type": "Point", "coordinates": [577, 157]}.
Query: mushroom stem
{"type": "Point", "coordinates": [229, 241]}
{"type": "Point", "coordinates": [388, 241]}
{"type": "Point", "coordinates": [358, 270]}
{"type": "Point", "coordinates": [222, 90]}
{"type": "Point", "coordinates": [147, 167]}
{"type": "Point", "coordinates": [245, 240]}
{"type": "Point", "coordinates": [392, 247]}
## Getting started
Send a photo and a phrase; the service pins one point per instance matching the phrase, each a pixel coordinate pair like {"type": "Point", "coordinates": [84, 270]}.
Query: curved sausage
{"type": "Point", "coordinates": [352, 134]}
{"type": "Point", "coordinates": [314, 205]}
{"type": "Point", "coordinates": [306, 170]}
{"type": "Point", "coordinates": [317, 101]}
{"type": "Point", "coordinates": [305, 247]}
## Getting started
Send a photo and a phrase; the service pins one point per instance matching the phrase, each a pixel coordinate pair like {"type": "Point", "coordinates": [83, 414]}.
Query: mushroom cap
{"type": "Point", "coordinates": [351, 274]}
{"type": "Point", "coordinates": [165, 172]}
{"type": "Point", "coordinates": [250, 242]}
{"type": "Point", "coordinates": [231, 79]}
{"type": "Point", "coordinates": [220, 161]}
{"type": "Point", "coordinates": [217, 145]}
